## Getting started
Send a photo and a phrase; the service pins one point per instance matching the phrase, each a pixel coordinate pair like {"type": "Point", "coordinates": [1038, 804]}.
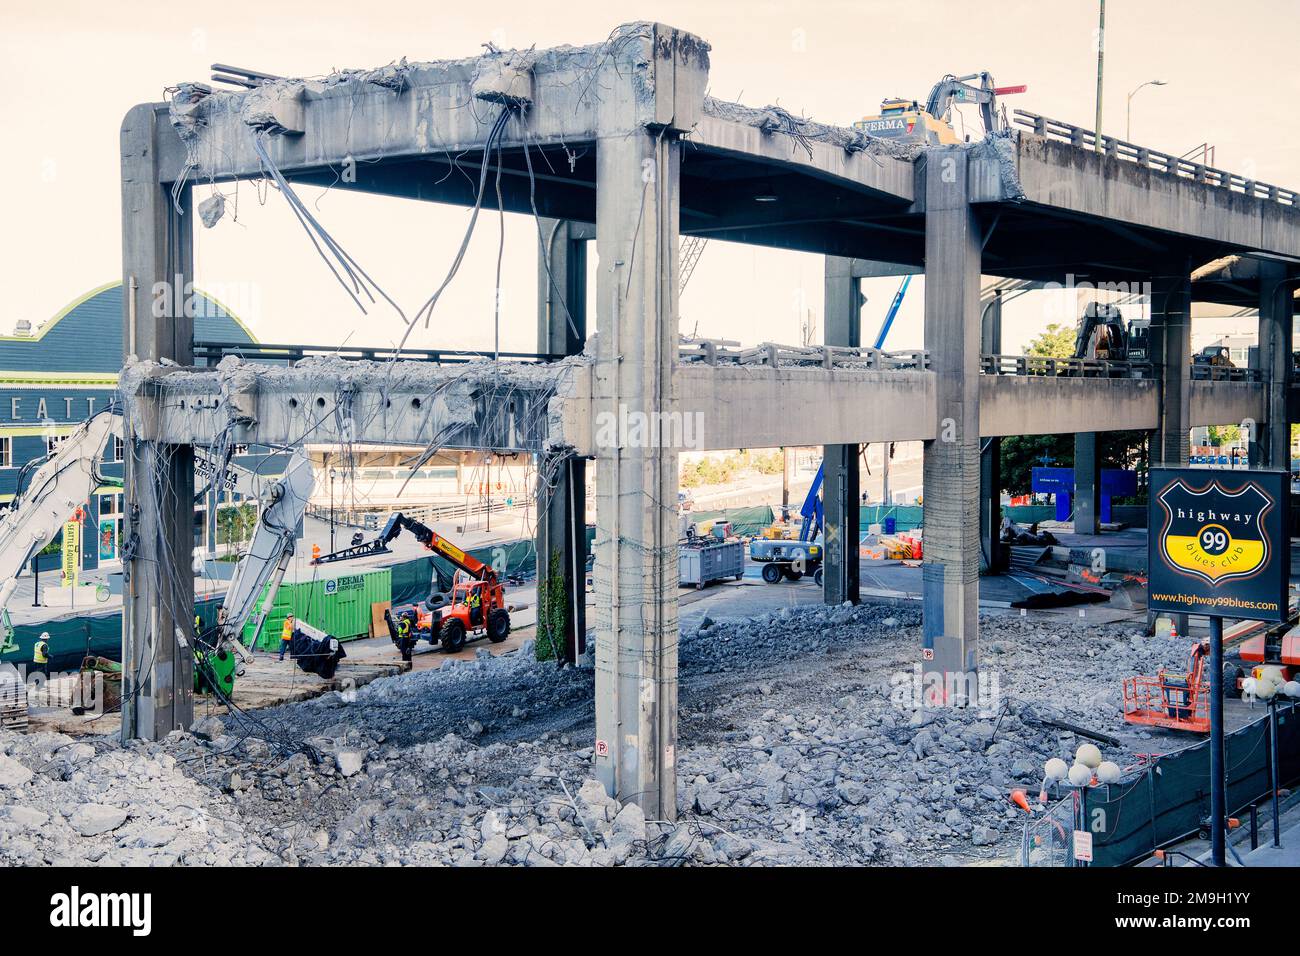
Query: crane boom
{"type": "Point", "coordinates": [438, 544]}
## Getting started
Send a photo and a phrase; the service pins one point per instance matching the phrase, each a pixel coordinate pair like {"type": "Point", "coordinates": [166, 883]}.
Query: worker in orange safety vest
{"type": "Point", "coordinates": [286, 635]}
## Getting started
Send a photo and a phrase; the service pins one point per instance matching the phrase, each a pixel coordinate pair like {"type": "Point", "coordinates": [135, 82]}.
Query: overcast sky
{"type": "Point", "coordinates": [71, 70]}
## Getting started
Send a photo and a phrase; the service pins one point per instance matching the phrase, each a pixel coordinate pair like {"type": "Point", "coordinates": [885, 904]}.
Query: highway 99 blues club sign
{"type": "Point", "coordinates": [1219, 543]}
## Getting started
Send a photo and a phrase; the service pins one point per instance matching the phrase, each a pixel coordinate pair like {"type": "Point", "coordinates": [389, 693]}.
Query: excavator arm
{"type": "Point", "coordinates": [56, 490]}
{"type": "Point", "coordinates": [959, 89]}
{"type": "Point", "coordinates": [268, 556]}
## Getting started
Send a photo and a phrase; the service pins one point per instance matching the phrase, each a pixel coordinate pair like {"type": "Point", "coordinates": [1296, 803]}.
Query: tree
{"type": "Point", "coordinates": [1220, 435]}
{"type": "Point", "coordinates": [1056, 341]}
{"type": "Point", "coordinates": [1023, 453]}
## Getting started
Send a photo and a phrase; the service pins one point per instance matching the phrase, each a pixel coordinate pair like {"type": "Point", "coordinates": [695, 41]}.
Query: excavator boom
{"type": "Point", "coordinates": [57, 489]}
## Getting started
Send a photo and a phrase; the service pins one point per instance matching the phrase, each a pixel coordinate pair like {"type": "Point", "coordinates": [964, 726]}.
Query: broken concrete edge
{"type": "Point", "coordinates": [497, 74]}
{"type": "Point", "coordinates": [232, 389]}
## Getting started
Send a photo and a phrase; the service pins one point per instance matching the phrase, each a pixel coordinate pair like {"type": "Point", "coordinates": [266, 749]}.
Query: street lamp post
{"type": "Point", "coordinates": [1101, 59]}
{"type": "Point", "coordinates": [331, 511]}
{"type": "Point", "coordinates": [1128, 107]}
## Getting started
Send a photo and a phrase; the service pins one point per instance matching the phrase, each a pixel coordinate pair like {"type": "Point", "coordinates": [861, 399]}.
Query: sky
{"type": "Point", "coordinates": [71, 71]}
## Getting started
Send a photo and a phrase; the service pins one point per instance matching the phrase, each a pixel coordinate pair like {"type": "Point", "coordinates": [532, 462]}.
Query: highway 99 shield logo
{"type": "Point", "coordinates": [1218, 543]}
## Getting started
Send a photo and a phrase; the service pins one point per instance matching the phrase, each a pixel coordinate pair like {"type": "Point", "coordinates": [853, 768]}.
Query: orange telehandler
{"type": "Point", "coordinates": [475, 608]}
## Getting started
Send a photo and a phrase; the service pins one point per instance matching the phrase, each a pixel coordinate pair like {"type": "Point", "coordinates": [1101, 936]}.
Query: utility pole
{"type": "Point", "coordinates": [1101, 58]}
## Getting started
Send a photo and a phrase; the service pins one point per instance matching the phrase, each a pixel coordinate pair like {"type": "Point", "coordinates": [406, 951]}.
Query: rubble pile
{"type": "Point", "coordinates": [799, 742]}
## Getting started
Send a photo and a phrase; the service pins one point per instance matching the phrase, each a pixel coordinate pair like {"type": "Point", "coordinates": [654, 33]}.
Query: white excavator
{"type": "Point", "coordinates": [64, 483]}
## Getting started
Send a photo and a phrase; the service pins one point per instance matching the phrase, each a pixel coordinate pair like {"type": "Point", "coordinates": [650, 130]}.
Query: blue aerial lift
{"type": "Point", "coordinates": [786, 558]}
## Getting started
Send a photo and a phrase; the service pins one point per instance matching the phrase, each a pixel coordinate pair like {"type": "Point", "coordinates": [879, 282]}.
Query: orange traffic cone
{"type": "Point", "coordinates": [1019, 799]}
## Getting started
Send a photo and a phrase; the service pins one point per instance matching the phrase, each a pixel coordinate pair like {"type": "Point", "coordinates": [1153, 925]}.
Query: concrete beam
{"type": "Point", "coordinates": [749, 407]}
{"type": "Point", "coordinates": [479, 405]}
{"type": "Point", "coordinates": [542, 409]}
{"type": "Point", "coordinates": [448, 106]}
{"type": "Point", "coordinates": [884, 176]}
{"type": "Point", "coordinates": [1060, 176]}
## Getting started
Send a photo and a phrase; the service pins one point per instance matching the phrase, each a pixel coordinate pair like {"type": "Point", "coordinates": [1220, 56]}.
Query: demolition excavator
{"type": "Point", "coordinates": [906, 121]}
{"type": "Point", "coordinates": [65, 481]}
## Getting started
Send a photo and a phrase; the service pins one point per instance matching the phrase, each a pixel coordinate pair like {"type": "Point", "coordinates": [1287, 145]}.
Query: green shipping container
{"type": "Point", "coordinates": [338, 604]}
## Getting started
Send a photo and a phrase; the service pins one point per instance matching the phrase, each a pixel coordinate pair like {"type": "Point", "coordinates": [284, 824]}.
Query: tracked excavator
{"type": "Point", "coordinates": [906, 121]}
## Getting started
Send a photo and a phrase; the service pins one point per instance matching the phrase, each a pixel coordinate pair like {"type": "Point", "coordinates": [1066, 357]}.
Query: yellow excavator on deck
{"type": "Point", "coordinates": [905, 121]}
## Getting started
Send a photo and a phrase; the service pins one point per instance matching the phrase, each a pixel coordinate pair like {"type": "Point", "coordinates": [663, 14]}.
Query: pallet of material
{"type": "Point", "coordinates": [13, 707]}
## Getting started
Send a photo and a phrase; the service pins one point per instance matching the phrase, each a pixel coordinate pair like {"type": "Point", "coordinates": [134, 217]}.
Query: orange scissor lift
{"type": "Point", "coordinates": [1176, 701]}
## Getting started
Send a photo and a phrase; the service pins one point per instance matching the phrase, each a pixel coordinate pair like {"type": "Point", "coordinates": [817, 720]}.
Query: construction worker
{"type": "Point", "coordinates": [41, 654]}
{"type": "Point", "coordinates": [286, 635]}
{"type": "Point", "coordinates": [475, 604]}
{"type": "Point", "coordinates": [404, 641]}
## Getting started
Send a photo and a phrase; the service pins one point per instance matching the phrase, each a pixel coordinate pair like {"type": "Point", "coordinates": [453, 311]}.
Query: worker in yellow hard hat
{"type": "Point", "coordinates": [405, 642]}
{"type": "Point", "coordinates": [41, 654]}
{"type": "Point", "coordinates": [475, 603]}
{"type": "Point", "coordinates": [286, 635]}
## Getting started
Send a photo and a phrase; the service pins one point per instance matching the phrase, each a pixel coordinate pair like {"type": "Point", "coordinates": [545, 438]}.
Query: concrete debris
{"type": "Point", "coordinates": [275, 107]}
{"type": "Point", "coordinates": [833, 765]}
{"type": "Point", "coordinates": [208, 728]}
{"type": "Point", "coordinates": [92, 819]}
{"type": "Point", "coordinates": [12, 774]}
{"type": "Point", "coordinates": [211, 210]}
{"type": "Point", "coordinates": [186, 110]}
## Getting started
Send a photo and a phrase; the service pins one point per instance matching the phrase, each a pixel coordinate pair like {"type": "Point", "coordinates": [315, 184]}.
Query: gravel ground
{"type": "Point", "coordinates": [799, 742]}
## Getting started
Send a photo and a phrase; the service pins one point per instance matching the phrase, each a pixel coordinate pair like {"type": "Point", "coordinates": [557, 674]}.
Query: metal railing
{"type": "Point", "coordinates": [1205, 372]}
{"type": "Point", "coordinates": [723, 352]}
{"type": "Point", "coordinates": [1044, 367]}
{"type": "Point", "coordinates": [1048, 839]}
{"type": "Point", "coordinates": [1155, 160]}
{"type": "Point", "coordinates": [428, 514]}
{"type": "Point", "coordinates": [210, 353]}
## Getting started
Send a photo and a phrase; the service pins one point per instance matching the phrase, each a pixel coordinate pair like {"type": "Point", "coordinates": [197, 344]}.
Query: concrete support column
{"type": "Point", "coordinates": [1171, 354]}
{"type": "Point", "coordinates": [636, 478]}
{"type": "Point", "coordinates": [841, 495]}
{"type": "Point", "coordinates": [1273, 436]}
{"type": "Point", "coordinates": [158, 609]}
{"type": "Point", "coordinates": [993, 553]}
{"type": "Point", "coordinates": [1087, 484]}
{"type": "Point", "coordinates": [561, 497]}
{"type": "Point", "coordinates": [953, 242]}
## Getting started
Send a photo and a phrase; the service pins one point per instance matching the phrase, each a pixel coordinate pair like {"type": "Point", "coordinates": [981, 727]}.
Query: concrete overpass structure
{"type": "Point", "coordinates": [618, 144]}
